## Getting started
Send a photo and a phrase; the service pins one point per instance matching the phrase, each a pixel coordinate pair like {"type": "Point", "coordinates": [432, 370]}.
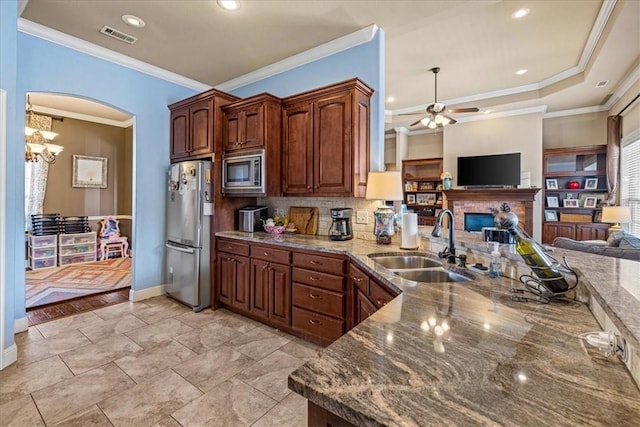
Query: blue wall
{"type": "Point", "coordinates": [365, 61]}
{"type": "Point", "coordinates": [8, 59]}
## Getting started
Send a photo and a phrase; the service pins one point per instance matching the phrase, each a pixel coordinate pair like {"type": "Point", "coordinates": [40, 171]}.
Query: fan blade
{"type": "Point", "coordinates": [415, 123]}
{"type": "Point", "coordinates": [410, 114]}
{"type": "Point", "coordinates": [451, 119]}
{"type": "Point", "coordinates": [464, 110]}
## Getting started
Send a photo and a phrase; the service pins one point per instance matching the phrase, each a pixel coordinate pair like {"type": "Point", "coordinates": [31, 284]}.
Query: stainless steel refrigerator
{"type": "Point", "coordinates": [188, 233]}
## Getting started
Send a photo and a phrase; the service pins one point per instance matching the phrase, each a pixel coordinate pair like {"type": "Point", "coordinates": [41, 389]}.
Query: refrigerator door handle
{"type": "Point", "coordinates": [177, 248]}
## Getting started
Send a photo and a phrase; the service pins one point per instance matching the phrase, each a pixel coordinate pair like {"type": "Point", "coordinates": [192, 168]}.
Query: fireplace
{"type": "Point", "coordinates": [480, 200]}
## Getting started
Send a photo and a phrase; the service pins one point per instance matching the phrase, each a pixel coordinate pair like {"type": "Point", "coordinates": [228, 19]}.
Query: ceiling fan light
{"type": "Point", "coordinates": [432, 125]}
{"type": "Point", "coordinates": [425, 121]}
{"type": "Point", "coordinates": [28, 131]}
{"type": "Point", "coordinates": [445, 121]}
{"type": "Point", "coordinates": [36, 148]}
{"type": "Point", "coordinates": [439, 119]}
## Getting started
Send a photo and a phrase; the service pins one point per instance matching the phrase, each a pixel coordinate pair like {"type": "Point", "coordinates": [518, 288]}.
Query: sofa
{"type": "Point", "coordinates": [619, 245]}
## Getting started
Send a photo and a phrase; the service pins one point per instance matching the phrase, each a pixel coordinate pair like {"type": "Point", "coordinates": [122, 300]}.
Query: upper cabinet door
{"type": "Point", "coordinates": [232, 137]}
{"type": "Point", "coordinates": [252, 127]}
{"type": "Point", "coordinates": [201, 116]}
{"type": "Point", "coordinates": [180, 133]}
{"type": "Point", "coordinates": [297, 149]}
{"type": "Point", "coordinates": [333, 171]}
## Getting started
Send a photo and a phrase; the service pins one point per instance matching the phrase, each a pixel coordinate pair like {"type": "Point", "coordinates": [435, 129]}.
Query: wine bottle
{"type": "Point", "coordinates": [534, 256]}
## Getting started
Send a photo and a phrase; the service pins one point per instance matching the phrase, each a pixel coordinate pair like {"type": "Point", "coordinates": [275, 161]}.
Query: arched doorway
{"type": "Point", "coordinates": [91, 136]}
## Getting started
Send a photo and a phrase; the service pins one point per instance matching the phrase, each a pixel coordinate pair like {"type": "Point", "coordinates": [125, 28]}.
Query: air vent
{"type": "Point", "coordinates": [601, 83]}
{"type": "Point", "coordinates": [116, 34]}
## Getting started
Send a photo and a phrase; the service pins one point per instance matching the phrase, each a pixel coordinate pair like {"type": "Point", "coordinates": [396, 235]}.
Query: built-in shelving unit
{"type": "Point", "coordinates": [575, 187]}
{"type": "Point", "coordinates": [423, 188]}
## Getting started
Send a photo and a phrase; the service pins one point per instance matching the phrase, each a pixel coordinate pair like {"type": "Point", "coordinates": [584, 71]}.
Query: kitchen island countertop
{"type": "Point", "coordinates": [466, 354]}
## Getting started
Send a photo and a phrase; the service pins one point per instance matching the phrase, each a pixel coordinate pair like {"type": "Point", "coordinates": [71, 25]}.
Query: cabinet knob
{"type": "Point", "coordinates": [315, 322]}
{"type": "Point", "coordinates": [381, 301]}
{"type": "Point", "coordinates": [266, 253]}
{"type": "Point", "coordinates": [308, 187]}
{"type": "Point", "coordinates": [314, 296]}
{"type": "Point", "coordinates": [312, 278]}
{"type": "Point", "coordinates": [314, 262]}
{"type": "Point", "coordinates": [357, 279]}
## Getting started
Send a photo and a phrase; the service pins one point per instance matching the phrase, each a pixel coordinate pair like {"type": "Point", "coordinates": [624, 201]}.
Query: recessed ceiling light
{"type": "Point", "coordinates": [521, 72]}
{"type": "Point", "coordinates": [133, 20]}
{"type": "Point", "coordinates": [520, 13]}
{"type": "Point", "coordinates": [390, 99]}
{"type": "Point", "coordinates": [229, 4]}
{"type": "Point", "coordinates": [487, 111]}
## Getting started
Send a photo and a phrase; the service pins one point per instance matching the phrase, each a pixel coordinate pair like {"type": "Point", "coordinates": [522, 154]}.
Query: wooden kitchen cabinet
{"type": "Point", "coordinates": [193, 121]}
{"type": "Point", "coordinates": [575, 231]}
{"type": "Point", "coordinates": [325, 147]}
{"type": "Point", "coordinates": [253, 123]}
{"type": "Point", "coordinates": [271, 291]}
{"type": "Point", "coordinates": [369, 295]}
{"type": "Point", "coordinates": [592, 231]}
{"type": "Point", "coordinates": [364, 307]}
{"type": "Point", "coordinates": [233, 280]}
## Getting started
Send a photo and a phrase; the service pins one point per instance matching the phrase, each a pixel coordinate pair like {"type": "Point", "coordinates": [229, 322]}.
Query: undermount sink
{"type": "Point", "coordinates": [397, 262]}
{"type": "Point", "coordinates": [417, 268]}
{"type": "Point", "coordinates": [432, 276]}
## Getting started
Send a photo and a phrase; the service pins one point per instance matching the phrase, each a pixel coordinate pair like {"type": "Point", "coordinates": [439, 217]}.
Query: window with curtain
{"type": "Point", "coordinates": [630, 182]}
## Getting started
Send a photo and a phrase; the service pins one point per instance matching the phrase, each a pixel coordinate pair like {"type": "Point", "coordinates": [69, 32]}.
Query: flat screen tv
{"type": "Point", "coordinates": [498, 170]}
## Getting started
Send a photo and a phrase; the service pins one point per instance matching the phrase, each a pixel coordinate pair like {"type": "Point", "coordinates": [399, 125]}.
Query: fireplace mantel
{"type": "Point", "coordinates": [481, 199]}
{"type": "Point", "coordinates": [508, 194]}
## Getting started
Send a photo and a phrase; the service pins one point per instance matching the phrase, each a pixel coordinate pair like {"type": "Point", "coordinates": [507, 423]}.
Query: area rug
{"type": "Point", "coordinates": [57, 284]}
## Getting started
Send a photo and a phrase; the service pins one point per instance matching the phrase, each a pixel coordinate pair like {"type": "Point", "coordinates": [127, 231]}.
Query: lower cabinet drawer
{"type": "Point", "coordinates": [316, 324]}
{"type": "Point", "coordinates": [326, 302]}
{"type": "Point", "coordinates": [380, 295]}
{"type": "Point", "coordinates": [267, 253]}
{"type": "Point", "coordinates": [233, 247]}
{"type": "Point", "coordinates": [320, 262]}
{"type": "Point", "coordinates": [317, 279]}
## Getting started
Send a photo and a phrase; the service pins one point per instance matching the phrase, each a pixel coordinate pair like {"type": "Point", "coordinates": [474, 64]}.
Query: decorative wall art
{"type": "Point", "coordinates": [89, 172]}
{"type": "Point", "coordinates": [552, 184]}
{"type": "Point", "coordinates": [552, 202]}
{"type": "Point", "coordinates": [550, 215]}
{"type": "Point", "coordinates": [590, 202]}
{"type": "Point", "coordinates": [571, 203]}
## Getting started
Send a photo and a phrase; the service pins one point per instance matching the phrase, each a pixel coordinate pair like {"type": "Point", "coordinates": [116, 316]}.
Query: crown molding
{"type": "Point", "coordinates": [626, 84]}
{"type": "Point", "coordinates": [86, 117]}
{"type": "Point", "coordinates": [631, 137]}
{"type": "Point", "coordinates": [354, 39]}
{"type": "Point", "coordinates": [57, 37]}
{"type": "Point", "coordinates": [589, 49]}
{"type": "Point", "coordinates": [575, 111]}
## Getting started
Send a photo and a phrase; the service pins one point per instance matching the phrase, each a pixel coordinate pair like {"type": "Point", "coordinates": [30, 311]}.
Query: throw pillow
{"type": "Point", "coordinates": [630, 241]}
{"type": "Point", "coordinates": [615, 238]}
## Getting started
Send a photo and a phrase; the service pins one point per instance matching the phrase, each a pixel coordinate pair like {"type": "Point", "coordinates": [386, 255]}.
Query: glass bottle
{"type": "Point", "coordinates": [543, 267]}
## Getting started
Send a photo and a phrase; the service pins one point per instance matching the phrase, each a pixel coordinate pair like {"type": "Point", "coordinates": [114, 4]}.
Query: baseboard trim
{"type": "Point", "coordinates": [143, 294]}
{"type": "Point", "coordinates": [20, 325]}
{"type": "Point", "coordinates": [9, 355]}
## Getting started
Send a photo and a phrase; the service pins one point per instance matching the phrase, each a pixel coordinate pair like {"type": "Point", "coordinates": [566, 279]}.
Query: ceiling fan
{"type": "Point", "coordinates": [435, 112]}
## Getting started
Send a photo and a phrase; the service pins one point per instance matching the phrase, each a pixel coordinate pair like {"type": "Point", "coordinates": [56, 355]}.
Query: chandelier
{"type": "Point", "coordinates": [37, 136]}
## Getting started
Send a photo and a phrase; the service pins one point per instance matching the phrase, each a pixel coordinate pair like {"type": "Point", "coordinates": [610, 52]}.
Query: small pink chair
{"type": "Point", "coordinates": [110, 241]}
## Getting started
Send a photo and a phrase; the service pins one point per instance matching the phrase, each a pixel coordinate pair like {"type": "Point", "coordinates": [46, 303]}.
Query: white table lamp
{"type": "Point", "coordinates": [384, 186]}
{"type": "Point", "coordinates": [616, 215]}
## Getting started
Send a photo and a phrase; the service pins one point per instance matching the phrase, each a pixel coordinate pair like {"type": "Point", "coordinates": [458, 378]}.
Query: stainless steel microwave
{"type": "Point", "coordinates": [244, 173]}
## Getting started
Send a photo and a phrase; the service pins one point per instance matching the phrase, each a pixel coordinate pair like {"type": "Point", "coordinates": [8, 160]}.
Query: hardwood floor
{"type": "Point", "coordinates": [54, 311]}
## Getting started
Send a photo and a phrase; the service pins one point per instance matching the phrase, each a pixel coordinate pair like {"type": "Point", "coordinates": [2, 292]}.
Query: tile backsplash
{"type": "Point", "coordinates": [324, 205]}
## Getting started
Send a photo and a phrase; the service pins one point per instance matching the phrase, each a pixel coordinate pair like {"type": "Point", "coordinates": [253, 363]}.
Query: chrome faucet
{"type": "Point", "coordinates": [449, 252]}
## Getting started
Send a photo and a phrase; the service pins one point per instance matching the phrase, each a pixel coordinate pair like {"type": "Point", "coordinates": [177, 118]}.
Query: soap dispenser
{"type": "Point", "coordinates": [495, 266]}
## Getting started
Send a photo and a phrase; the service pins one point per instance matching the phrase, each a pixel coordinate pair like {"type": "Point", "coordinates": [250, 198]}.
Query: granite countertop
{"type": "Point", "coordinates": [465, 354]}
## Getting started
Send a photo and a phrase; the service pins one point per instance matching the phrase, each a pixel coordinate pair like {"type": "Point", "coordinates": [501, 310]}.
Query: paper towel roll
{"type": "Point", "coordinates": [410, 237]}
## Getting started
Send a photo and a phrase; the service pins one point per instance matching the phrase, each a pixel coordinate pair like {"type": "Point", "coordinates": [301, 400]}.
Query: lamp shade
{"type": "Point", "coordinates": [384, 186]}
{"type": "Point", "coordinates": [616, 214]}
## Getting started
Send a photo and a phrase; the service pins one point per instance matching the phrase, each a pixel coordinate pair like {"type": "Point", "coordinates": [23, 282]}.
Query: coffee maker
{"type": "Point", "coordinates": [341, 225]}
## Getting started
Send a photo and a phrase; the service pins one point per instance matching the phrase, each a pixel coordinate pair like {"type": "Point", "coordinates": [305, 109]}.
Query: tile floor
{"type": "Point", "coordinates": [153, 363]}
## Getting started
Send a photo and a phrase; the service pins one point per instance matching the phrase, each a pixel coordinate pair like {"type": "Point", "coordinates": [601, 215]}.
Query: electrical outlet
{"type": "Point", "coordinates": [278, 212]}
{"type": "Point", "coordinates": [362, 217]}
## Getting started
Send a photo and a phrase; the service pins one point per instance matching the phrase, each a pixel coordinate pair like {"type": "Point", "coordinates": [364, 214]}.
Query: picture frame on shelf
{"type": "Point", "coordinates": [552, 184]}
{"type": "Point", "coordinates": [421, 199]}
{"type": "Point", "coordinates": [408, 187]}
{"type": "Point", "coordinates": [425, 186]}
{"type": "Point", "coordinates": [411, 199]}
{"type": "Point", "coordinates": [571, 203]}
{"type": "Point", "coordinates": [591, 202]}
{"type": "Point", "coordinates": [550, 215]}
{"type": "Point", "coordinates": [552, 202]}
{"type": "Point", "coordinates": [591, 184]}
